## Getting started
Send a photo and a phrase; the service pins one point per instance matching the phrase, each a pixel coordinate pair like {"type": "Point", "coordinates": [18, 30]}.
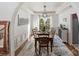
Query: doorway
{"type": "Point", "coordinates": [75, 29]}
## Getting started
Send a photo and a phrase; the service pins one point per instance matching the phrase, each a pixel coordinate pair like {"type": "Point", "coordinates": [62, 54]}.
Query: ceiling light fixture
{"type": "Point", "coordinates": [44, 14]}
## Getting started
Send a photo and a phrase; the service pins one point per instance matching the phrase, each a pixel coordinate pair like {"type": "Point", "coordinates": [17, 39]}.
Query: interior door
{"type": "Point", "coordinates": [75, 29]}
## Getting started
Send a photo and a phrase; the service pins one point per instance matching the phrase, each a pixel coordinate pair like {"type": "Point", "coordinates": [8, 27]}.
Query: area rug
{"type": "Point", "coordinates": [59, 49]}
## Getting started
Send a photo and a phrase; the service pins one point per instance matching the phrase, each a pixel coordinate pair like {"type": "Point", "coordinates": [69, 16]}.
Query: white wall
{"type": "Point", "coordinates": [7, 10]}
{"type": "Point", "coordinates": [35, 21]}
{"type": "Point", "coordinates": [21, 31]}
{"type": "Point", "coordinates": [67, 14]}
{"type": "Point", "coordinates": [55, 20]}
{"type": "Point", "coordinates": [31, 23]}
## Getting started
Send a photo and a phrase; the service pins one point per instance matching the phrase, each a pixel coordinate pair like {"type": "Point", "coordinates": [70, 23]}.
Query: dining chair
{"type": "Point", "coordinates": [44, 42]}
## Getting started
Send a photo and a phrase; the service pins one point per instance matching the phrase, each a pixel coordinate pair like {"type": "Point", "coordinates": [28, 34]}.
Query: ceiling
{"type": "Point", "coordinates": [39, 6]}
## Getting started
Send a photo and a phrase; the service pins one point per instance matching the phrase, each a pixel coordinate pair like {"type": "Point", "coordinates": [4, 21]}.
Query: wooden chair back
{"type": "Point", "coordinates": [43, 40]}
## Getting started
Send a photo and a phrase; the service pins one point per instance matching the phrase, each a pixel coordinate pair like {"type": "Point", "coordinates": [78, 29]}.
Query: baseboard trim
{"type": "Point", "coordinates": [20, 48]}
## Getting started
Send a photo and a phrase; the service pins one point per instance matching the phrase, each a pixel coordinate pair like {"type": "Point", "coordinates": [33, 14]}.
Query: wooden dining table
{"type": "Point", "coordinates": [37, 37]}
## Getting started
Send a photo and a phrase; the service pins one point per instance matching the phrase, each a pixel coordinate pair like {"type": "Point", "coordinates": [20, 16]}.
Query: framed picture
{"type": "Point", "coordinates": [4, 37]}
{"type": "Point", "coordinates": [22, 21]}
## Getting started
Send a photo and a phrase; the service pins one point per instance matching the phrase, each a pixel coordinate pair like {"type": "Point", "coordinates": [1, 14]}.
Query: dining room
{"type": "Point", "coordinates": [44, 32]}
{"type": "Point", "coordinates": [49, 28]}
{"type": "Point", "coordinates": [39, 28]}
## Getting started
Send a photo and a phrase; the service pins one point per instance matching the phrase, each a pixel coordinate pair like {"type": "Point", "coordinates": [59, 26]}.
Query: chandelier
{"type": "Point", "coordinates": [44, 14]}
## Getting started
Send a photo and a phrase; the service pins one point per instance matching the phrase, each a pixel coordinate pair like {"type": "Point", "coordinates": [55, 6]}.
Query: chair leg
{"type": "Point", "coordinates": [39, 50]}
{"type": "Point", "coordinates": [47, 50]}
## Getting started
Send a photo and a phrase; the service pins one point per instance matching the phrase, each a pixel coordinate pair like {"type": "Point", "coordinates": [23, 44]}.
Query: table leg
{"type": "Point", "coordinates": [51, 44]}
{"type": "Point", "coordinates": [36, 47]}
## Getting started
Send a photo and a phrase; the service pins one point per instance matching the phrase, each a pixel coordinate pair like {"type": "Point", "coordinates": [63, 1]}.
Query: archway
{"type": "Point", "coordinates": [12, 27]}
{"type": "Point", "coordinates": [12, 48]}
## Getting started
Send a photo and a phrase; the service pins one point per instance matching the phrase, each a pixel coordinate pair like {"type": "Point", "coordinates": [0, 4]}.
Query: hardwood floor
{"type": "Point", "coordinates": [20, 48]}
{"type": "Point", "coordinates": [72, 49]}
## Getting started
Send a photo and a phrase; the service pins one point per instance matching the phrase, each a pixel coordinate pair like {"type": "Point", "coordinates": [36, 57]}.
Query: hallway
{"type": "Point", "coordinates": [59, 49]}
